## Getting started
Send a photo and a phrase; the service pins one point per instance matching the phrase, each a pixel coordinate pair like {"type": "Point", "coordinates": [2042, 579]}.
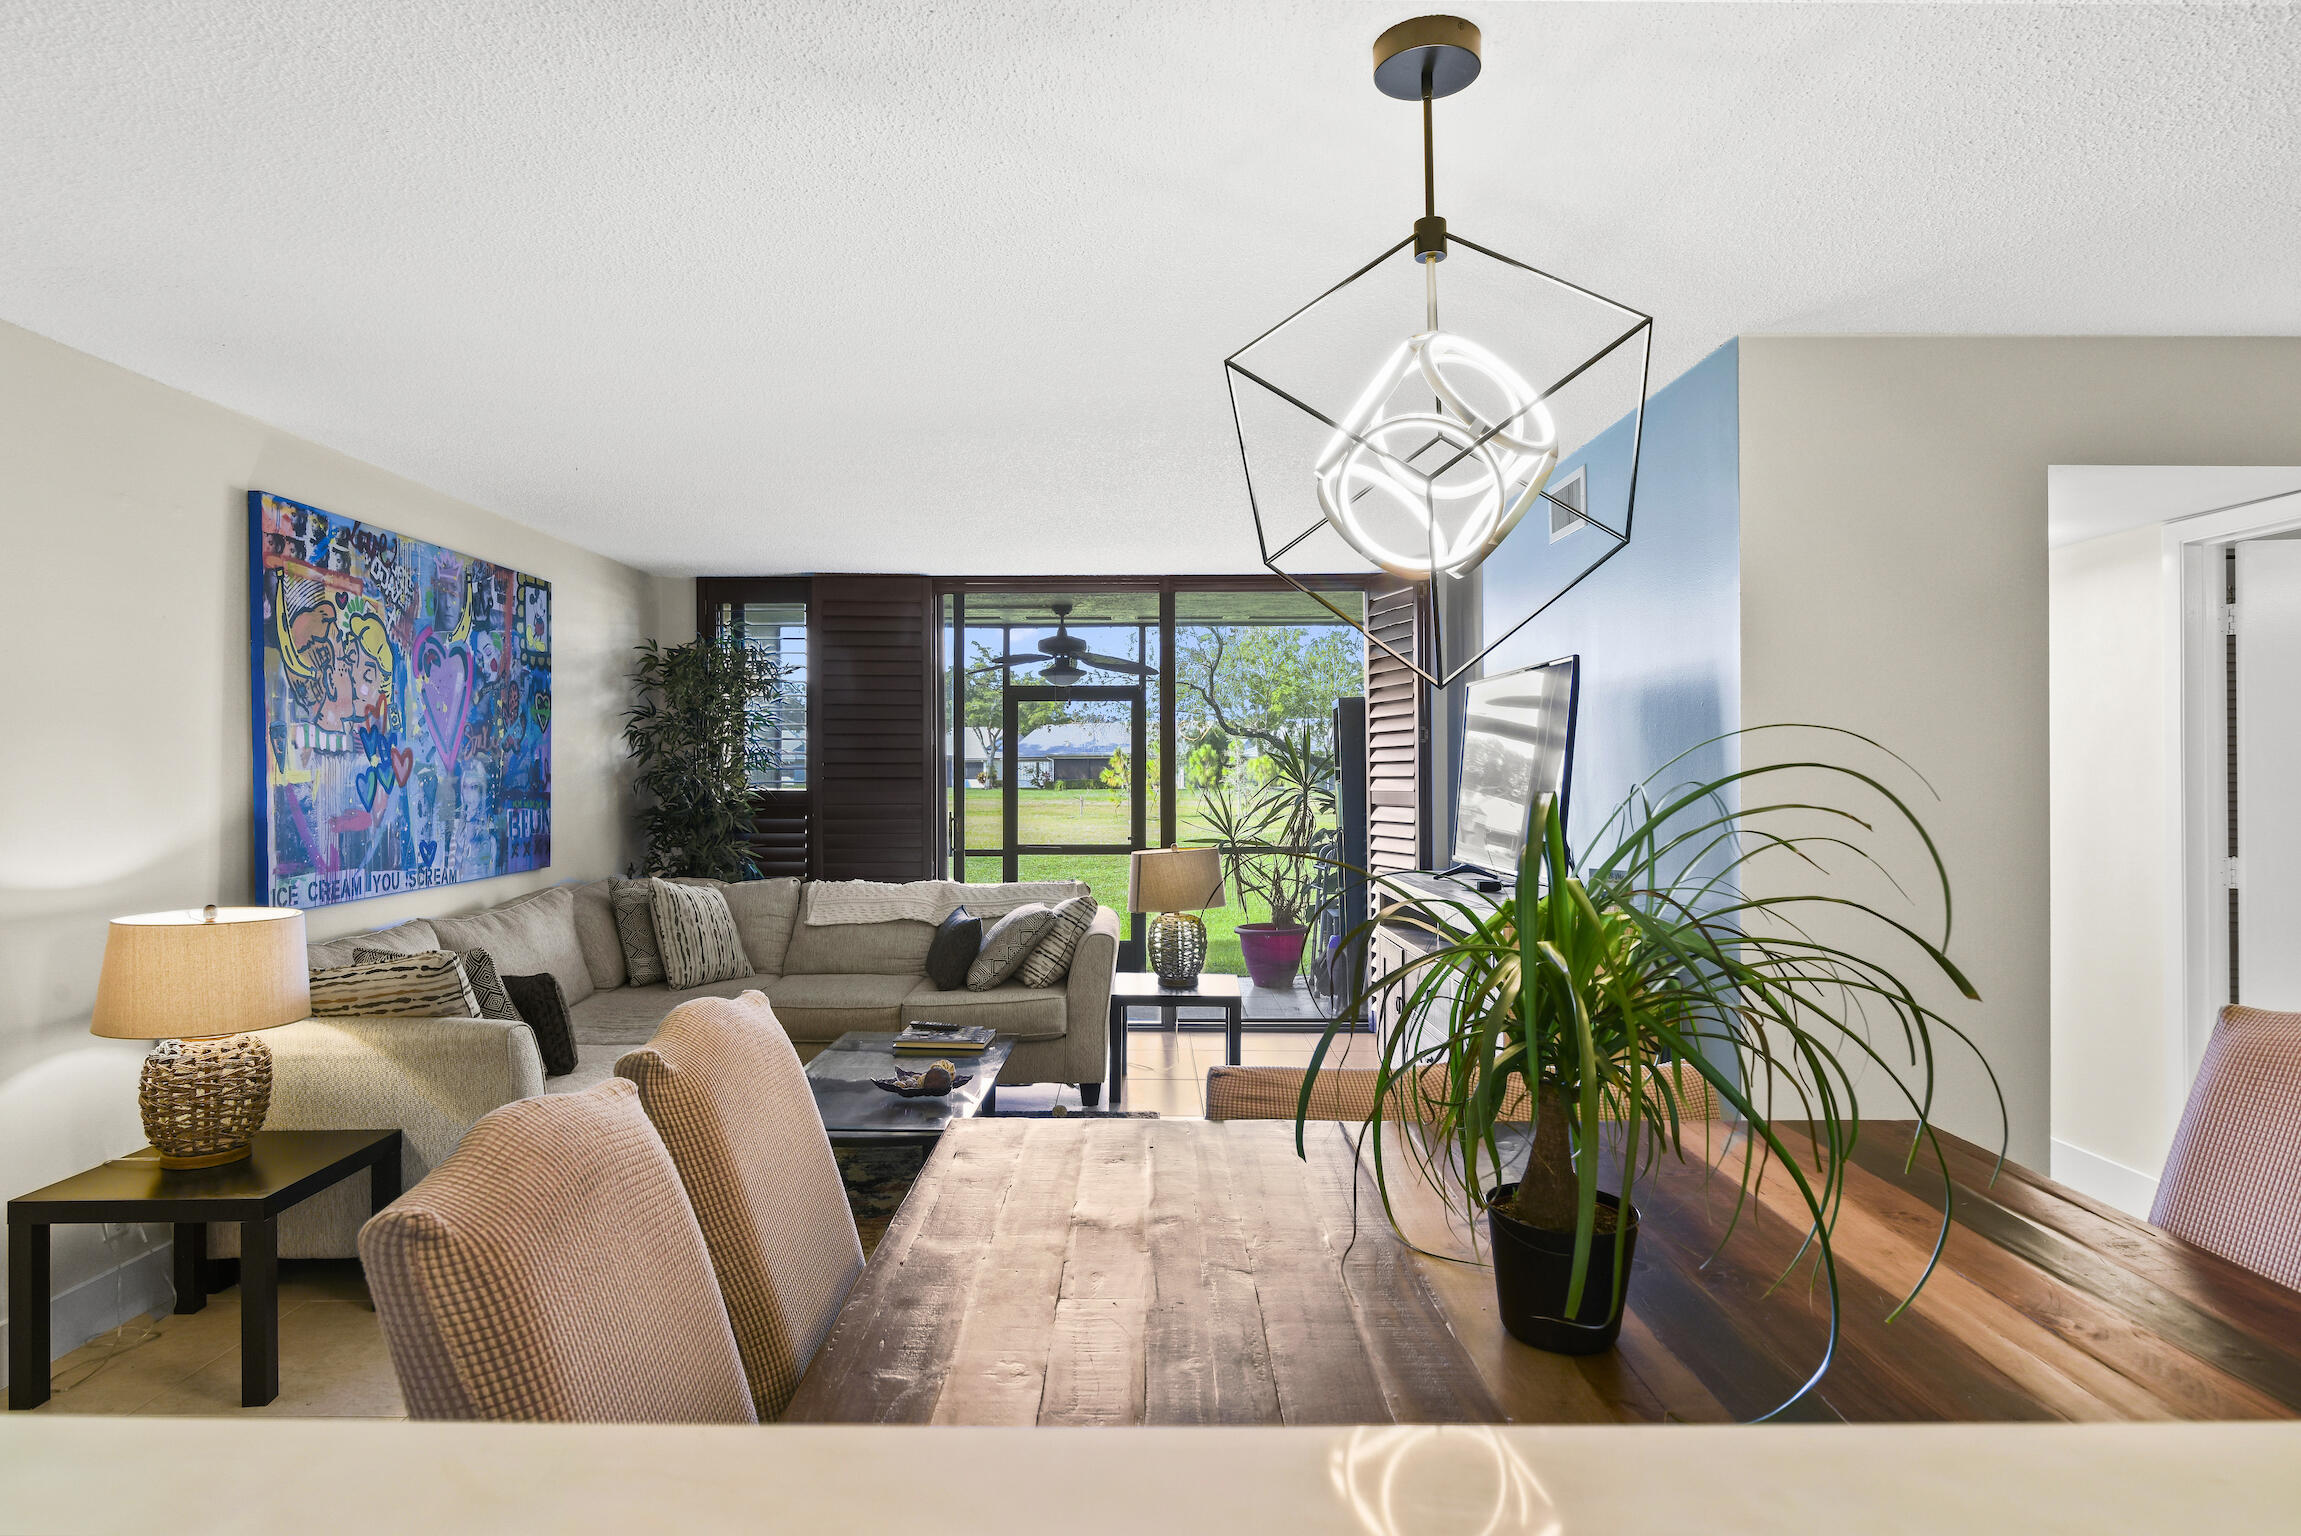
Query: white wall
{"type": "Point", "coordinates": [2114, 736]}
{"type": "Point", "coordinates": [1894, 582]}
{"type": "Point", "coordinates": [125, 780]}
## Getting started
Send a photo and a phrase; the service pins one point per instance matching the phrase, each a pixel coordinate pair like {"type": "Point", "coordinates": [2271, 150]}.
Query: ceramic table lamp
{"type": "Point", "coordinates": [1177, 884]}
{"type": "Point", "coordinates": [200, 983]}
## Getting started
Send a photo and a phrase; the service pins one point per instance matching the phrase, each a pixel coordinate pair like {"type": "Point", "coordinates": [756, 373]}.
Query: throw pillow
{"type": "Point", "coordinates": [544, 1006]}
{"type": "Point", "coordinates": [479, 970]}
{"type": "Point", "coordinates": [958, 939]}
{"type": "Point", "coordinates": [698, 934]}
{"type": "Point", "coordinates": [1050, 959]}
{"type": "Point", "coordinates": [634, 903]}
{"type": "Point", "coordinates": [1009, 940]}
{"type": "Point", "coordinates": [426, 986]}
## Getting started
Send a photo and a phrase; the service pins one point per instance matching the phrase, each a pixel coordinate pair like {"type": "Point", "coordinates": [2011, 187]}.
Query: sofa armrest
{"type": "Point", "coordinates": [429, 1078]}
{"type": "Point", "coordinates": [1087, 999]}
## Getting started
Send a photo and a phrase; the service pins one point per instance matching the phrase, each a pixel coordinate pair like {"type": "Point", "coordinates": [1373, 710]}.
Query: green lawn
{"type": "Point", "coordinates": [1097, 816]}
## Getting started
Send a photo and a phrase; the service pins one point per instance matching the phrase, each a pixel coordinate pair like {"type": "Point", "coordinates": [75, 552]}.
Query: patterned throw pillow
{"type": "Point", "coordinates": [427, 986]}
{"type": "Point", "coordinates": [544, 1007]}
{"type": "Point", "coordinates": [958, 939]}
{"type": "Point", "coordinates": [1050, 960]}
{"type": "Point", "coordinates": [698, 934]}
{"type": "Point", "coordinates": [1009, 940]}
{"type": "Point", "coordinates": [634, 903]}
{"type": "Point", "coordinates": [478, 969]}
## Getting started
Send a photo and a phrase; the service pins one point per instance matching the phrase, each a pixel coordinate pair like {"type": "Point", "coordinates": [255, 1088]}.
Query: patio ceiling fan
{"type": "Point", "coordinates": [1065, 651]}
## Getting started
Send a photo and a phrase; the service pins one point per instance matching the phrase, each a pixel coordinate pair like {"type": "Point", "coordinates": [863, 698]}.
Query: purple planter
{"type": "Point", "coordinates": [1273, 953]}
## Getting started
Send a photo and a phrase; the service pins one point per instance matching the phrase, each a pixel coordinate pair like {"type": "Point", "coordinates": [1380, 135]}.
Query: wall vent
{"type": "Point", "coordinates": [1566, 500]}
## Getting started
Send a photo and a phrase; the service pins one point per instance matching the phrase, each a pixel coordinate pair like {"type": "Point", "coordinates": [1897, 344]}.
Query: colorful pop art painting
{"type": "Point", "coordinates": [402, 699]}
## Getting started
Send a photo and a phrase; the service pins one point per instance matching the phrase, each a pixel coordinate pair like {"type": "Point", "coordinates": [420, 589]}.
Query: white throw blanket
{"type": "Point", "coordinates": [925, 901]}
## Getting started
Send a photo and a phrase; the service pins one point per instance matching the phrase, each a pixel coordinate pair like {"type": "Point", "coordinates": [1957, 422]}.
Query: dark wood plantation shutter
{"type": "Point", "coordinates": [871, 651]}
{"type": "Point", "coordinates": [1394, 735]}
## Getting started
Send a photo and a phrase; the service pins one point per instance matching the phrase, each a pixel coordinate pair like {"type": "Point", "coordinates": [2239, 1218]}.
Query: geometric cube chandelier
{"type": "Point", "coordinates": [1491, 461]}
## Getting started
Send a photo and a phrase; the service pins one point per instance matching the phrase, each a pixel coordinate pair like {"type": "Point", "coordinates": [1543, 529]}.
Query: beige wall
{"type": "Point", "coordinates": [1894, 582]}
{"type": "Point", "coordinates": [125, 782]}
{"type": "Point", "coordinates": [2115, 736]}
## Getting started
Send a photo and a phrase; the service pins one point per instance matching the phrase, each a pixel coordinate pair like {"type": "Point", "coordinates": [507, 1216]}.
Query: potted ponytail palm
{"type": "Point", "coordinates": [1599, 999]}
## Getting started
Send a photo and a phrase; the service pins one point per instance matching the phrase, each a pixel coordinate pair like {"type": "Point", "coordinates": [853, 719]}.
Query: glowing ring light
{"type": "Point", "coordinates": [1370, 466]}
{"type": "Point", "coordinates": [1359, 460]}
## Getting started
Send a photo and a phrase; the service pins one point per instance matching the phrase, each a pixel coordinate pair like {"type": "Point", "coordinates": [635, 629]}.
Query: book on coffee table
{"type": "Point", "coordinates": [944, 1040]}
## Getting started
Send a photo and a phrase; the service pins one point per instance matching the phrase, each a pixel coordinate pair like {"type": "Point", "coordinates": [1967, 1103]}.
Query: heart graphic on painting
{"type": "Point", "coordinates": [427, 854]}
{"type": "Point", "coordinates": [446, 678]}
{"type": "Point", "coordinates": [402, 760]}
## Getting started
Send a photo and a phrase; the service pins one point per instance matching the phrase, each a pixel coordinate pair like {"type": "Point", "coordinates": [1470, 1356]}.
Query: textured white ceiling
{"type": "Point", "coordinates": [741, 287]}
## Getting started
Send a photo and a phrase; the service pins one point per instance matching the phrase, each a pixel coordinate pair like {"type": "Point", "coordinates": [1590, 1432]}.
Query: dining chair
{"type": "Point", "coordinates": [2232, 1183]}
{"type": "Point", "coordinates": [551, 1268]}
{"type": "Point", "coordinates": [726, 1091]}
{"type": "Point", "coordinates": [1347, 1093]}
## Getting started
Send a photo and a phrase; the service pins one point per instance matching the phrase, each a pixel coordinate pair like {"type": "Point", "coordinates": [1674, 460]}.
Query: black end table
{"type": "Point", "coordinates": [1142, 989]}
{"type": "Point", "coordinates": [282, 1168]}
{"type": "Point", "coordinates": [856, 1113]}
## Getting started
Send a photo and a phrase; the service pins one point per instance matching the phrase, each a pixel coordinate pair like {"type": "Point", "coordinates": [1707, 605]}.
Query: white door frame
{"type": "Point", "coordinates": [2190, 619]}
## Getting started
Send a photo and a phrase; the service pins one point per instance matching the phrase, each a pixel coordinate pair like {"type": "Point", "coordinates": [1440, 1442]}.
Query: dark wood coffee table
{"type": "Point", "coordinates": [857, 1113]}
{"type": "Point", "coordinates": [1142, 989]}
{"type": "Point", "coordinates": [282, 1168]}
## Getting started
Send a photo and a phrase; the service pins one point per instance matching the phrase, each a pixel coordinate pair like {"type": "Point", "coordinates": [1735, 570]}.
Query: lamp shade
{"type": "Point", "coordinates": [1174, 880]}
{"type": "Point", "coordinates": [194, 975]}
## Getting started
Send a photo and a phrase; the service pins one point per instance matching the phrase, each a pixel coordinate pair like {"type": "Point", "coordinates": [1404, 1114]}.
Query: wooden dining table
{"type": "Point", "coordinates": [1140, 1271]}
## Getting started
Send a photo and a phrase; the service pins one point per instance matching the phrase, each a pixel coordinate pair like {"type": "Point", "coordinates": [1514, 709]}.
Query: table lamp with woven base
{"type": "Point", "coordinates": [200, 983]}
{"type": "Point", "coordinates": [1176, 884]}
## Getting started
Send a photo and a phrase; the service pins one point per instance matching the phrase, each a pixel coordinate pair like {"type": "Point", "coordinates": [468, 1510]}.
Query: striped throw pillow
{"type": "Point", "coordinates": [1050, 961]}
{"type": "Point", "coordinates": [478, 969]}
{"type": "Point", "coordinates": [697, 934]}
{"type": "Point", "coordinates": [427, 986]}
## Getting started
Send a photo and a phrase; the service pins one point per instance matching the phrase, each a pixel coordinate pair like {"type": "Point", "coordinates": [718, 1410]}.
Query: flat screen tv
{"type": "Point", "coordinates": [1517, 742]}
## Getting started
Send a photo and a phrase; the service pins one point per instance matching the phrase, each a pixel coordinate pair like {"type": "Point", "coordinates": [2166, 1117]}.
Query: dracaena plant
{"type": "Point", "coordinates": [701, 726]}
{"type": "Point", "coordinates": [1270, 837]}
{"type": "Point", "coordinates": [1597, 995]}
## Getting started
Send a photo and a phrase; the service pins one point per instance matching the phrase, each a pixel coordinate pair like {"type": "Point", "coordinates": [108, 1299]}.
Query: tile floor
{"type": "Point", "coordinates": [333, 1363]}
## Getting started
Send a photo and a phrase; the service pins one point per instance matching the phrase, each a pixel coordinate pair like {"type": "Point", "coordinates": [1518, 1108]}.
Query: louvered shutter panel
{"type": "Point", "coordinates": [1394, 714]}
{"type": "Point", "coordinates": [871, 650]}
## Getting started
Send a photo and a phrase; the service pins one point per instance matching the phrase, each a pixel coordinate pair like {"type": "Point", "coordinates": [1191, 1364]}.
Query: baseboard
{"type": "Point", "coordinates": [101, 1303]}
{"type": "Point", "coordinates": [2112, 1183]}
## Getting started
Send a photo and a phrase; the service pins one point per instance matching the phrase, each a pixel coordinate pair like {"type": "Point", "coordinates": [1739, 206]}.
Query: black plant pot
{"type": "Point", "coordinates": [1532, 1266]}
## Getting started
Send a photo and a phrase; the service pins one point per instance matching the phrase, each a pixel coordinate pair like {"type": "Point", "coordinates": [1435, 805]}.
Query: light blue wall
{"type": "Point", "coordinates": [1659, 626]}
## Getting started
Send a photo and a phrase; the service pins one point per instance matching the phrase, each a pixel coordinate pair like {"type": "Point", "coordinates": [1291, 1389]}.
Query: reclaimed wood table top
{"type": "Point", "coordinates": [1190, 1272]}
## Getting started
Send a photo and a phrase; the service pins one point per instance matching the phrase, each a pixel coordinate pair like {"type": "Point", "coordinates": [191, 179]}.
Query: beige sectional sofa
{"type": "Point", "coordinates": [433, 1077]}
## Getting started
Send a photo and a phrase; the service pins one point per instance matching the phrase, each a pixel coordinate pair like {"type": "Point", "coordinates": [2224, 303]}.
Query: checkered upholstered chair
{"type": "Point", "coordinates": [1347, 1093]}
{"type": "Point", "coordinates": [2232, 1183]}
{"type": "Point", "coordinates": [725, 1088]}
{"type": "Point", "coordinates": [550, 1268]}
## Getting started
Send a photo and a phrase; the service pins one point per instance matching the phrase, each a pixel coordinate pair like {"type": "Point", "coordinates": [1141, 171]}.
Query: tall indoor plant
{"type": "Point", "coordinates": [698, 732]}
{"type": "Point", "coordinates": [1597, 997]}
{"type": "Point", "coordinates": [1269, 842]}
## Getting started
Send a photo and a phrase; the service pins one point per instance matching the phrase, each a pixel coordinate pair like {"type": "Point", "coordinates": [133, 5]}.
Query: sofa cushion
{"type": "Point", "coordinates": [958, 939]}
{"type": "Point", "coordinates": [425, 986]}
{"type": "Point", "coordinates": [895, 948]}
{"type": "Point", "coordinates": [1010, 939]}
{"type": "Point", "coordinates": [535, 933]}
{"type": "Point", "coordinates": [410, 938]}
{"type": "Point", "coordinates": [765, 912]}
{"type": "Point", "coordinates": [698, 935]}
{"type": "Point", "coordinates": [633, 902]}
{"type": "Point", "coordinates": [1022, 1013]}
{"type": "Point", "coordinates": [826, 1007]}
{"type": "Point", "coordinates": [1050, 959]}
{"type": "Point", "coordinates": [544, 1008]}
{"type": "Point", "coordinates": [630, 1015]}
{"type": "Point", "coordinates": [595, 933]}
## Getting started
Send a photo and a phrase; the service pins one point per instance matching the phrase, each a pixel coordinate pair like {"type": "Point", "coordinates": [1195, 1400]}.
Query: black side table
{"type": "Point", "coordinates": [283, 1168]}
{"type": "Point", "coordinates": [1142, 989]}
